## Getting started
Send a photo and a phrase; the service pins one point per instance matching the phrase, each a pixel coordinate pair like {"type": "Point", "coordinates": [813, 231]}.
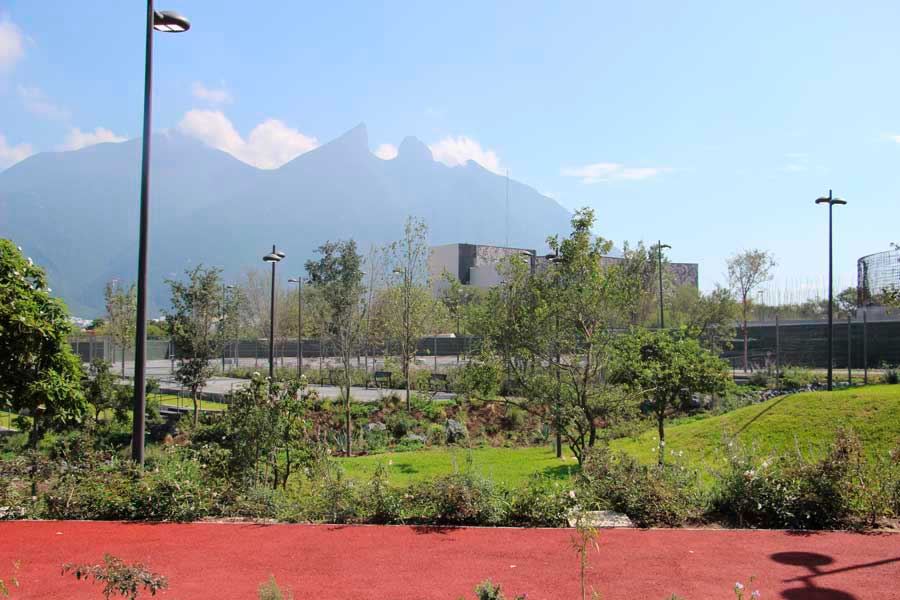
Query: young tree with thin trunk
{"type": "Point", "coordinates": [748, 270]}
{"type": "Point", "coordinates": [338, 275]}
{"type": "Point", "coordinates": [121, 309]}
{"type": "Point", "coordinates": [411, 295]}
{"type": "Point", "coordinates": [196, 326]}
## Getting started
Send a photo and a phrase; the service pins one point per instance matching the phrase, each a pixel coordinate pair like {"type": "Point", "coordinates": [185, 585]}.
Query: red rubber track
{"type": "Point", "coordinates": [321, 562]}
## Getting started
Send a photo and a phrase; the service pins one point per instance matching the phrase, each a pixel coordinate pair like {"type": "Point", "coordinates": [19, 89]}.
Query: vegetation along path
{"type": "Point", "coordinates": [215, 561]}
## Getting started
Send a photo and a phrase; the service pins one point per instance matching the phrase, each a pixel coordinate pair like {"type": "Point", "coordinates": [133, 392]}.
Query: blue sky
{"type": "Point", "coordinates": [710, 125]}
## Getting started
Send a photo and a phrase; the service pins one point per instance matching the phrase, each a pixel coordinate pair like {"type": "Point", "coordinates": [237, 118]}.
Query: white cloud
{"type": "Point", "coordinates": [12, 44]}
{"type": "Point", "coordinates": [36, 102]}
{"type": "Point", "coordinates": [77, 139]}
{"type": "Point", "coordinates": [10, 155]}
{"type": "Point", "coordinates": [211, 95]}
{"type": "Point", "coordinates": [600, 172]}
{"type": "Point", "coordinates": [457, 151]}
{"type": "Point", "coordinates": [386, 152]}
{"type": "Point", "coordinates": [895, 138]}
{"type": "Point", "coordinates": [793, 168]}
{"type": "Point", "coordinates": [269, 145]}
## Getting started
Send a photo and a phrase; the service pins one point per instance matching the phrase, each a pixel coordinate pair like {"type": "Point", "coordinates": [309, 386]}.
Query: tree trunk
{"type": "Point", "coordinates": [406, 375]}
{"type": "Point", "coordinates": [196, 405]}
{"type": "Point", "coordinates": [349, 422]}
{"type": "Point", "coordinates": [660, 422]}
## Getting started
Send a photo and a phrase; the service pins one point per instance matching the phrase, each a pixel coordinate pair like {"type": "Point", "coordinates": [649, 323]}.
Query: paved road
{"type": "Point", "coordinates": [225, 385]}
{"type": "Point", "coordinates": [216, 561]}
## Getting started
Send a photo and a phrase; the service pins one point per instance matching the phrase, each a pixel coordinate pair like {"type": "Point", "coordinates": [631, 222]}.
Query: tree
{"type": "Point", "coordinates": [195, 325]}
{"type": "Point", "coordinates": [708, 317]}
{"type": "Point", "coordinates": [121, 306]}
{"type": "Point", "coordinates": [640, 266]}
{"type": "Point", "coordinates": [39, 372]}
{"type": "Point", "coordinates": [411, 300]}
{"type": "Point", "coordinates": [669, 367]}
{"type": "Point", "coordinates": [847, 302]}
{"type": "Point", "coordinates": [556, 326]}
{"type": "Point", "coordinates": [747, 270]}
{"type": "Point", "coordinates": [100, 387]}
{"type": "Point", "coordinates": [338, 275]}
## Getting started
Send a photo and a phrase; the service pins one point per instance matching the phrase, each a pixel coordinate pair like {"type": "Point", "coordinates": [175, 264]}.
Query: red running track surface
{"type": "Point", "coordinates": [321, 562]}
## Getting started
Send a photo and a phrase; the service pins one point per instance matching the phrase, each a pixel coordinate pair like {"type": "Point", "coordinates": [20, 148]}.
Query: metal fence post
{"type": "Point", "coordinates": [865, 349]}
{"type": "Point", "coordinates": [849, 351]}
{"type": "Point", "coordinates": [777, 348]}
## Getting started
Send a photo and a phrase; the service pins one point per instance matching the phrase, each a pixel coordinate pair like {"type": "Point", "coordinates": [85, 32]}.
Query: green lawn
{"type": "Point", "coordinates": [810, 418]}
{"type": "Point", "coordinates": [6, 419]}
{"type": "Point", "coordinates": [174, 400]}
{"type": "Point", "coordinates": [505, 465]}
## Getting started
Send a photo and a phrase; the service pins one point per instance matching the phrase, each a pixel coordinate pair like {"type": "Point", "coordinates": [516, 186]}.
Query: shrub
{"type": "Point", "coordinates": [269, 590]}
{"type": "Point", "coordinates": [399, 424]}
{"type": "Point", "coordinates": [890, 375]}
{"type": "Point", "coordinates": [379, 503]}
{"type": "Point", "coordinates": [787, 492]}
{"type": "Point", "coordinates": [455, 431]}
{"type": "Point", "coordinates": [649, 495]}
{"type": "Point", "coordinates": [759, 379]}
{"type": "Point", "coordinates": [540, 502]}
{"type": "Point", "coordinates": [486, 590]}
{"type": "Point", "coordinates": [119, 578]}
{"type": "Point", "coordinates": [515, 418]}
{"type": "Point", "coordinates": [460, 499]}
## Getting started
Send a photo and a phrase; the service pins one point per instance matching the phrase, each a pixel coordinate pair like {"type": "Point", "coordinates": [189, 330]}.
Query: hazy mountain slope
{"type": "Point", "coordinates": [77, 212]}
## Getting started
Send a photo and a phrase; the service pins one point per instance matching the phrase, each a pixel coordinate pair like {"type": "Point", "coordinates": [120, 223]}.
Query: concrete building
{"type": "Point", "coordinates": [477, 265]}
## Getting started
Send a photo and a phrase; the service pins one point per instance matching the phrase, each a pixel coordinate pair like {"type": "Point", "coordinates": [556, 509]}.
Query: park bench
{"type": "Point", "coordinates": [380, 379]}
{"type": "Point", "coordinates": [437, 382]}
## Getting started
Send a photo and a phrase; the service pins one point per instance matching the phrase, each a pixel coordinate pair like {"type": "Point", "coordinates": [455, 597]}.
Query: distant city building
{"type": "Point", "coordinates": [478, 265]}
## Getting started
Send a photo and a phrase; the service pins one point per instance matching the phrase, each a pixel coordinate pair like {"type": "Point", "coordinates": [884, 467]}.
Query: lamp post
{"type": "Point", "coordinates": [830, 201]}
{"type": "Point", "coordinates": [659, 249]}
{"type": "Point", "coordinates": [273, 257]}
{"type": "Point", "coordinates": [299, 281]}
{"type": "Point", "coordinates": [169, 22]}
{"type": "Point", "coordinates": [555, 258]}
{"type": "Point", "coordinates": [225, 289]}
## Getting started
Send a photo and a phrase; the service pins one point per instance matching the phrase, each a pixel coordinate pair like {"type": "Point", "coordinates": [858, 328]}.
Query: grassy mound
{"type": "Point", "coordinates": [804, 422]}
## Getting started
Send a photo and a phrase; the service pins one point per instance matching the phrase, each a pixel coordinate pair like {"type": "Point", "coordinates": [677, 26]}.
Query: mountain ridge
{"type": "Point", "coordinates": [77, 211]}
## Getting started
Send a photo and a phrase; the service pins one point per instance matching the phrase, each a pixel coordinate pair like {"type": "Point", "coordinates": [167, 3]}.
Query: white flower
{"type": "Point", "coordinates": [755, 595]}
{"type": "Point", "coordinates": [739, 586]}
{"type": "Point", "coordinates": [662, 443]}
{"type": "Point", "coordinates": [572, 494]}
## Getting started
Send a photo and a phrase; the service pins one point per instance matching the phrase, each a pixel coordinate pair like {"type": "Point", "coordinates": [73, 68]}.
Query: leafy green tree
{"type": "Point", "coordinates": [640, 269]}
{"type": "Point", "coordinates": [846, 302]}
{"type": "Point", "coordinates": [667, 367]}
{"type": "Point", "coordinates": [39, 372]}
{"type": "Point", "coordinates": [554, 327]}
{"type": "Point", "coordinates": [708, 317]}
{"type": "Point", "coordinates": [195, 325]}
{"type": "Point", "coordinates": [100, 387]}
{"type": "Point", "coordinates": [338, 275]}
{"type": "Point", "coordinates": [121, 307]}
{"type": "Point", "coordinates": [748, 270]}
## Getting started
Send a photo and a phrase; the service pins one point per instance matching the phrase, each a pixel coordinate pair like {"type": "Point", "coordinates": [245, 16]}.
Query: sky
{"type": "Point", "coordinates": [712, 126]}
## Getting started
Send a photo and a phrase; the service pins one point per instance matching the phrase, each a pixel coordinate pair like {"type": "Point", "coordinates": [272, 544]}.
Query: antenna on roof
{"type": "Point", "coordinates": [507, 208]}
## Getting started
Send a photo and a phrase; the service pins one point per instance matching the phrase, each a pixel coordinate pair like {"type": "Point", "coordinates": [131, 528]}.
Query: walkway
{"type": "Point", "coordinates": [228, 561]}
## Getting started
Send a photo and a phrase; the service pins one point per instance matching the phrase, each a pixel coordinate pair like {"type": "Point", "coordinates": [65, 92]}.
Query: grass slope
{"type": "Point", "coordinates": [806, 421]}
{"type": "Point", "coordinates": [773, 426]}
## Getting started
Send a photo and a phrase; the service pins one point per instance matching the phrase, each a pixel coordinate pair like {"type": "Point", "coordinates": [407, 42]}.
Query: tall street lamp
{"type": "Point", "coordinates": [169, 22]}
{"type": "Point", "coordinates": [273, 257]}
{"type": "Point", "coordinates": [659, 249]}
{"type": "Point", "coordinates": [299, 282]}
{"type": "Point", "coordinates": [830, 201]}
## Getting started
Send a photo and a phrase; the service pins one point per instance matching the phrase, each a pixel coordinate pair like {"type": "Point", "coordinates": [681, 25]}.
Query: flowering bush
{"type": "Point", "coordinates": [540, 502]}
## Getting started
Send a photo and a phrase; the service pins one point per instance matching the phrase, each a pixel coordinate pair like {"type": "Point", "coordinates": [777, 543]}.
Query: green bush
{"type": "Point", "coordinates": [540, 502]}
{"type": "Point", "coordinates": [459, 499]}
{"type": "Point", "coordinates": [840, 490]}
{"type": "Point", "coordinates": [399, 424]}
{"type": "Point", "coordinates": [759, 379]}
{"type": "Point", "coordinates": [891, 375]}
{"type": "Point", "coordinates": [379, 502]}
{"type": "Point", "coordinates": [649, 495]}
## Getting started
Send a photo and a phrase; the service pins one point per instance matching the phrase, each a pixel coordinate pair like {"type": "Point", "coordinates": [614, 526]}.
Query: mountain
{"type": "Point", "coordinates": [76, 213]}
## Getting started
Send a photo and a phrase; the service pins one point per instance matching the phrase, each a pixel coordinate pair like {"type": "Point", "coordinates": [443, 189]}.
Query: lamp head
{"type": "Point", "coordinates": [169, 21]}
